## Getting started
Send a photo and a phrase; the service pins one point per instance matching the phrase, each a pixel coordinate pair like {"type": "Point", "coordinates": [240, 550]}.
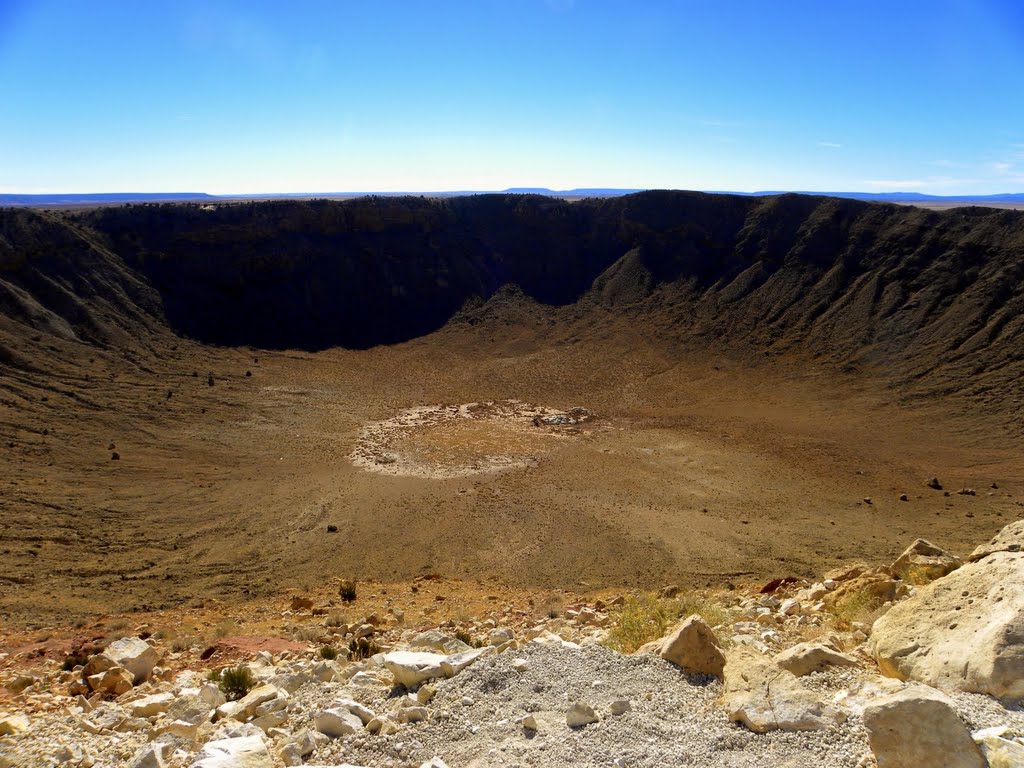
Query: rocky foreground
{"type": "Point", "coordinates": [920, 663]}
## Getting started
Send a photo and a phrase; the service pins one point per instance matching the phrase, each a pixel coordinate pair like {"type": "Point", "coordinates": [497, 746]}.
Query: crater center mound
{"type": "Point", "coordinates": [446, 441]}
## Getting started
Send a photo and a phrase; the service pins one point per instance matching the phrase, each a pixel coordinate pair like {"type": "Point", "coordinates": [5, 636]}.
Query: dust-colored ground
{"type": "Point", "coordinates": [695, 469]}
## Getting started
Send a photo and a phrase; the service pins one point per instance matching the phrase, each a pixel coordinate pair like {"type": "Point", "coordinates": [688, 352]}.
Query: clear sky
{"type": "Point", "coordinates": [426, 95]}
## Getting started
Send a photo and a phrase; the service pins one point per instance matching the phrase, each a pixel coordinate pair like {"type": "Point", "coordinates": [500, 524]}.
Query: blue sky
{"type": "Point", "coordinates": [377, 95]}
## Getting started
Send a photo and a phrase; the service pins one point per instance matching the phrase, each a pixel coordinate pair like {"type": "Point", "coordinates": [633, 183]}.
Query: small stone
{"type": "Point", "coordinates": [335, 723]}
{"type": "Point", "coordinates": [620, 707]}
{"type": "Point", "coordinates": [12, 725]}
{"type": "Point", "coordinates": [413, 715]}
{"type": "Point", "coordinates": [529, 723]}
{"type": "Point", "coordinates": [153, 755]}
{"type": "Point", "coordinates": [580, 715]}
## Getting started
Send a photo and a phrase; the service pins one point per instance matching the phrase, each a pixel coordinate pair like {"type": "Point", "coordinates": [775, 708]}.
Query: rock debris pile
{"type": "Point", "coordinates": [915, 664]}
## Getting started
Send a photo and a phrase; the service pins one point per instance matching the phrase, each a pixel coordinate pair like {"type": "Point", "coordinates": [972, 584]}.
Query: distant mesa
{"type": "Point", "coordinates": [115, 198]}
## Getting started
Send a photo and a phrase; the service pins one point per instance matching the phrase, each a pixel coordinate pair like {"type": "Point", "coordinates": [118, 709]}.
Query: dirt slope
{"type": "Point", "coordinates": [756, 368]}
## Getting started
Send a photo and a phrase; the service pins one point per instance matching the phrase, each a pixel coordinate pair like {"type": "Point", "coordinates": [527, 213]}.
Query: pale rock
{"type": "Point", "coordinates": [455, 663]}
{"type": "Point", "coordinates": [620, 707]}
{"type": "Point", "coordinates": [229, 710]}
{"type": "Point", "coordinates": [919, 727]}
{"type": "Point", "coordinates": [247, 704]}
{"type": "Point", "coordinates": [150, 706]}
{"type": "Point", "coordinates": [964, 631]}
{"type": "Point", "coordinates": [411, 668]}
{"type": "Point", "coordinates": [115, 680]}
{"type": "Point", "coordinates": [289, 755]}
{"type": "Point", "coordinates": [520, 665]}
{"type": "Point", "coordinates": [12, 725]}
{"type": "Point", "coordinates": [749, 641]}
{"type": "Point", "coordinates": [133, 654]}
{"type": "Point", "coordinates": [239, 752]}
{"type": "Point", "coordinates": [813, 593]}
{"type": "Point", "coordinates": [764, 697]}
{"type": "Point", "coordinates": [324, 671]}
{"type": "Point", "coordinates": [693, 647]}
{"type": "Point", "coordinates": [270, 720]}
{"type": "Point", "coordinates": [382, 725]}
{"type": "Point", "coordinates": [357, 709]}
{"type": "Point", "coordinates": [804, 658]}
{"type": "Point", "coordinates": [426, 693]}
{"type": "Point", "coordinates": [922, 562]}
{"type": "Point", "coordinates": [529, 723]}
{"type": "Point", "coordinates": [235, 729]}
{"type": "Point", "coordinates": [363, 679]}
{"type": "Point", "coordinates": [212, 695]}
{"type": "Point", "coordinates": [999, 751]}
{"type": "Point", "coordinates": [434, 762]}
{"type": "Point", "coordinates": [499, 636]}
{"type": "Point", "coordinates": [153, 755]}
{"type": "Point", "coordinates": [1009, 539]}
{"type": "Point", "coordinates": [268, 707]}
{"type": "Point", "coordinates": [181, 728]}
{"type": "Point", "coordinates": [580, 715]}
{"type": "Point", "coordinates": [413, 715]}
{"type": "Point", "coordinates": [790, 607]}
{"type": "Point", "coordinates": [335, 723]}
{"type": "Point", "coordinates": [436, 640]}
{"type": "Point", "coordinates": [292, 681]}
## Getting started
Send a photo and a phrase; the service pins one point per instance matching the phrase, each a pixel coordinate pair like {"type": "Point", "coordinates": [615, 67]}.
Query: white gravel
{"type": "Point", "coordinates": [674, 719]}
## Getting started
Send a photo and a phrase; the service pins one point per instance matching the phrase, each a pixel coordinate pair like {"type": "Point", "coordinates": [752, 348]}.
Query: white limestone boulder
{"type": "Point", "coordinates": [693, 647]}
{"type": "Point", "coordinates": [238, 752]}
{"type": "Point", "coordinates": [965, 631]}
{"type": "Point", "coordinates": [919, 727]}
{"type": "Point", "coordinates": [133, 654]}
{"type": "Point", "coordinates": [411, 668]}
{"type": "Point", "coordinates": [764, 697]}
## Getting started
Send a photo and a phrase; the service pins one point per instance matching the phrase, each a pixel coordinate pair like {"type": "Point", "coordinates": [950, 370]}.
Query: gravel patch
{"type": "Point", "coordinates": [674, 720]}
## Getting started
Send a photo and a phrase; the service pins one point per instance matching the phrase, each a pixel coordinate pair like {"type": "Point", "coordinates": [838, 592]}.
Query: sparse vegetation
{"type": "Point", "coordinates": [307, 634]}
{"type": "Point", "coordinates": [641, 620]}
{"type": "Point", "coordinates": [689, 603]}
{"type": "Point", "coordinates": [234, 682]}
{"type": "Point", "coordinates": [363, 648]}
{"type": "Point", "coordinates": [347, 590]}
{"type": "Point", "coordinates": [856, 607]}
{"type": "Point", "coordinates": [328, 652]}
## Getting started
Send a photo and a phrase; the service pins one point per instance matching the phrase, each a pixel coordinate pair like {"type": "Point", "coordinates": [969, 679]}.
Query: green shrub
{"type": "Point", "coordinates": [328, 652]}
{"type": "Point", "coordinates": [641, 620]}
{"type": "Point", "coordinates": [234, 682]}
{"type": "Point", "coordinates": [347, 590]}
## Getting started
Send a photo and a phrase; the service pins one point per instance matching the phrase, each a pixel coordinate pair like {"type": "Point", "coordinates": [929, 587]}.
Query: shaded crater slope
{"type": "Point", "coordinates": [909, 290]}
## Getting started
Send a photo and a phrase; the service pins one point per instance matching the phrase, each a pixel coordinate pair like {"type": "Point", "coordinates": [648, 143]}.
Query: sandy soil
{"type": "Point", "coordinates": [698, 468]}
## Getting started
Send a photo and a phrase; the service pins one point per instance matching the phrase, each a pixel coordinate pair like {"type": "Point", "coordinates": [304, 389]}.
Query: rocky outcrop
{"type": "Point", "coordinates": [133, 654]}
{"type": "Point", "coordinates": [764, 697]}
{"type": "Point", "coordinates": [964, 631]}
{"type": "Point", "coordinates": [923, 562]}
{"type": "Point", "coordinates": [919, 727]}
